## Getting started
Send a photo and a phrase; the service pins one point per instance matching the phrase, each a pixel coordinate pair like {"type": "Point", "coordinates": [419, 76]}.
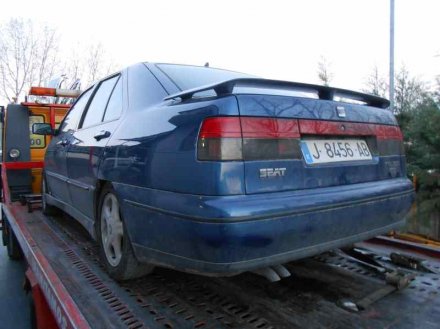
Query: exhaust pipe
{"type": "Point", "coordinates": [268, 273]}
{"type": "Point", "coordinates": [273, 273]}
{"type": "Point", "coordinates": [281, 271]}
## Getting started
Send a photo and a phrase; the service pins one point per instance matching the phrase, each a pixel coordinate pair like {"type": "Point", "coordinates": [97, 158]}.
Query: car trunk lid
{"type": "Point", "coordinates": [293, 136]}
{"type": "Point", "coordinates": [334, 143]}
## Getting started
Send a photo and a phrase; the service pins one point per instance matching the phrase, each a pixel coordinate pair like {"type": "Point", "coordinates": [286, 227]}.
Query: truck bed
{"type": "Point", "coordinates": [66, 263]}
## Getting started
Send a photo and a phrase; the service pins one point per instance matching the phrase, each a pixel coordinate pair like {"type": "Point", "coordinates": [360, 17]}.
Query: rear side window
{"type": "Point", "coordinates": [72, 118]}
{"type": "Point", "coordinates": [114, 106]}
{"type": "Point", "coordinates": [96, 109]}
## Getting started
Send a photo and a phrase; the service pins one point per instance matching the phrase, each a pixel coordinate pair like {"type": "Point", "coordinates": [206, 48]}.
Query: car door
{"type": "Point", "coordinates": [56, 154]}
{"type": "Point", "coordinates": [95, 129]}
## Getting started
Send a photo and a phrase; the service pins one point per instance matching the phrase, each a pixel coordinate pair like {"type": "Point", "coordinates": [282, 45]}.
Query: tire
{"type": "Point", "coordinates": [4, 235]}
{"type": "Point", "coordinates": [115, 246]}
{"type": "Point", "coordinates": [46, 208]}
{"type": "Point", "coordinates": [32, 312]}
{"type": "Point", "coordinates": [13, 248]}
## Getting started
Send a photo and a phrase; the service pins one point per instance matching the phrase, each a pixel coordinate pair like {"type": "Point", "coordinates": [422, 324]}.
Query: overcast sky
{"type": "Point", "coordinates": [273, 39]}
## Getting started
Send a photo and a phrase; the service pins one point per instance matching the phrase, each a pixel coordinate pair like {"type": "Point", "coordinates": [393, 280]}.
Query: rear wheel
{"type": "Point", "coordinates": [46, 208]}
{"type": "Point", "coordinates": [116, 250]}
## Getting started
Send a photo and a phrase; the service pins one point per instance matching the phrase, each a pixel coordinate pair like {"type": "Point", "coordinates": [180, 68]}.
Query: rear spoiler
{"type": "Point", "coordinates": [324, 92]}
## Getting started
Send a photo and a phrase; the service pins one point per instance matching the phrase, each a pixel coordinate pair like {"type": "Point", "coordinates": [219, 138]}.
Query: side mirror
{"type": "Point", "coordinates": [42, 129]}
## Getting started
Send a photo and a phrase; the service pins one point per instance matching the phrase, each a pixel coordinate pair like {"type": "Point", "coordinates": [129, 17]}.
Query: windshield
{"type": "Point", "coordinates": [187, 77]}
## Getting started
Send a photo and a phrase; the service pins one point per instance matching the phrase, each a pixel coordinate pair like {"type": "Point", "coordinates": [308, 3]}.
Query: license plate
{"type": "Point", "coordinates": [334, 150]}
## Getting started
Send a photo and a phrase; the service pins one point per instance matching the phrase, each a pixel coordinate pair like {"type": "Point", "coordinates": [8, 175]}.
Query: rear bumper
{"type": "Point", "coordinates": [230, 234]}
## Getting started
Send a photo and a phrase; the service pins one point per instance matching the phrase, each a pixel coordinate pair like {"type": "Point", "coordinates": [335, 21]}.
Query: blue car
{"type": "Point", "coordinates": [217, 172]}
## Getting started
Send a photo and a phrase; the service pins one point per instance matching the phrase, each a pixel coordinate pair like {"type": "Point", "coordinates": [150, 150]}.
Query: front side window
{"type": "Point", "coordinates": [72, 118]}
{"type": "Point", "coordinates": [96, 109]}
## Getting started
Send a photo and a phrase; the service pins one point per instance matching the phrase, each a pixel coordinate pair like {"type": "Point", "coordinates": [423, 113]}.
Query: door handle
{"type": "Point", "coordinates": [102, 134]}
{"type": "Point", "coordinates": [63, 142]}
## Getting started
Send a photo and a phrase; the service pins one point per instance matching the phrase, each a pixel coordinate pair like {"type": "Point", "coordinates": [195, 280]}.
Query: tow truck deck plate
{"type": "Point", "coordinates": [169, 299]}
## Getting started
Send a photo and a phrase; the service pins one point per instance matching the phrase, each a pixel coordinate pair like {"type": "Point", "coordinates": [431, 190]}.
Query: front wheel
{"type": "Point", "coordinates": [116, 250]}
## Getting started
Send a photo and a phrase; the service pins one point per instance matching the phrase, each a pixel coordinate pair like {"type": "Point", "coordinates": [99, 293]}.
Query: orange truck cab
{"type": "Point", "coordinates": [22, 151]}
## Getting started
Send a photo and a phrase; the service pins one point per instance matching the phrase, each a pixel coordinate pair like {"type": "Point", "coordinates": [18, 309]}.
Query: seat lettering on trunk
{"type": "Point", "coordinates": [272, 172]}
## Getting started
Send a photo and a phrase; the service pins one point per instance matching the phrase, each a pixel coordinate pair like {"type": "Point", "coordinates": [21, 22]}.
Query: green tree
{"type": "Point", "coordinates": [422, 140]}
{"type": "Point", "coordinates": [423, 136]}
{"type": "Point", "coordinates": [437, 90]}
{"type": "Point", "coordinates": [409, 91]}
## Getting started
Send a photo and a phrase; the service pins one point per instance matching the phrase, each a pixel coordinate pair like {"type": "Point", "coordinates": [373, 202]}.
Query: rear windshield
{"type": "Point", "coordinates": [187, 77]}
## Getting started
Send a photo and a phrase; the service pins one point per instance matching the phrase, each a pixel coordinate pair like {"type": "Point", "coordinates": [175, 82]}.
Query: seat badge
{"type": "Point", "coordinates": [341, 111]}
{"type": "Point", "coordinates": [272, 172]}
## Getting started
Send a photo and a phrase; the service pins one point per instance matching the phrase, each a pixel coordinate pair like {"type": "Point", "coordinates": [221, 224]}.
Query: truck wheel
{"type": "Point", "coordinates": [46, 208]}
{"type": "Point", "coordinates": [13, 248]}
{"type": "Point", "coordinates": [4, 235]}
{"type": "Point", "coordinates": [116, 250]}
{"type": "Point", "coordinates": [32, 312]}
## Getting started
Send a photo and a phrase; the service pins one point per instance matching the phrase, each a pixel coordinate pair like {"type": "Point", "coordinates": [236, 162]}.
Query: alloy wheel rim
{"type": "Point", "coordinates": [111, 229]}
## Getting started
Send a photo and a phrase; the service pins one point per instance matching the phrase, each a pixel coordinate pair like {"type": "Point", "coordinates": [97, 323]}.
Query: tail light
{"type": "Point", "coordinates": [261, 138]}
{"type": "Point", "coordinates": [389, 140]}
{"type": "Point", "coordinates": [220, 139]}
{"type": "Point", "coordinates": [248, 138]}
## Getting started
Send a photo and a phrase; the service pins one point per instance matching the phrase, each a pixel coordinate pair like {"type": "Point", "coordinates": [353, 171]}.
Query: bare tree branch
{"type": "Point", "coordinates": [28, 55]}
{"type": "Point", "coordinates": [409, 92]}
{"type": "Point", "coordinates": [324, 74]}
{"type": "Point", "coordinates": [90, 68]}
{"type": "Point", "coordinates": [376, 84]}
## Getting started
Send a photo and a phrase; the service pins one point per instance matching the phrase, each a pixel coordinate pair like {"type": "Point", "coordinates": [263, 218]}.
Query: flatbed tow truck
{"type": "Point", "coordinates": [385, 282]}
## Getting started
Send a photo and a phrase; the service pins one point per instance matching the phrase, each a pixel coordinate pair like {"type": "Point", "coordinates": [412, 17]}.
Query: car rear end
{"type": "Point", "coordinates": [319, 167]}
